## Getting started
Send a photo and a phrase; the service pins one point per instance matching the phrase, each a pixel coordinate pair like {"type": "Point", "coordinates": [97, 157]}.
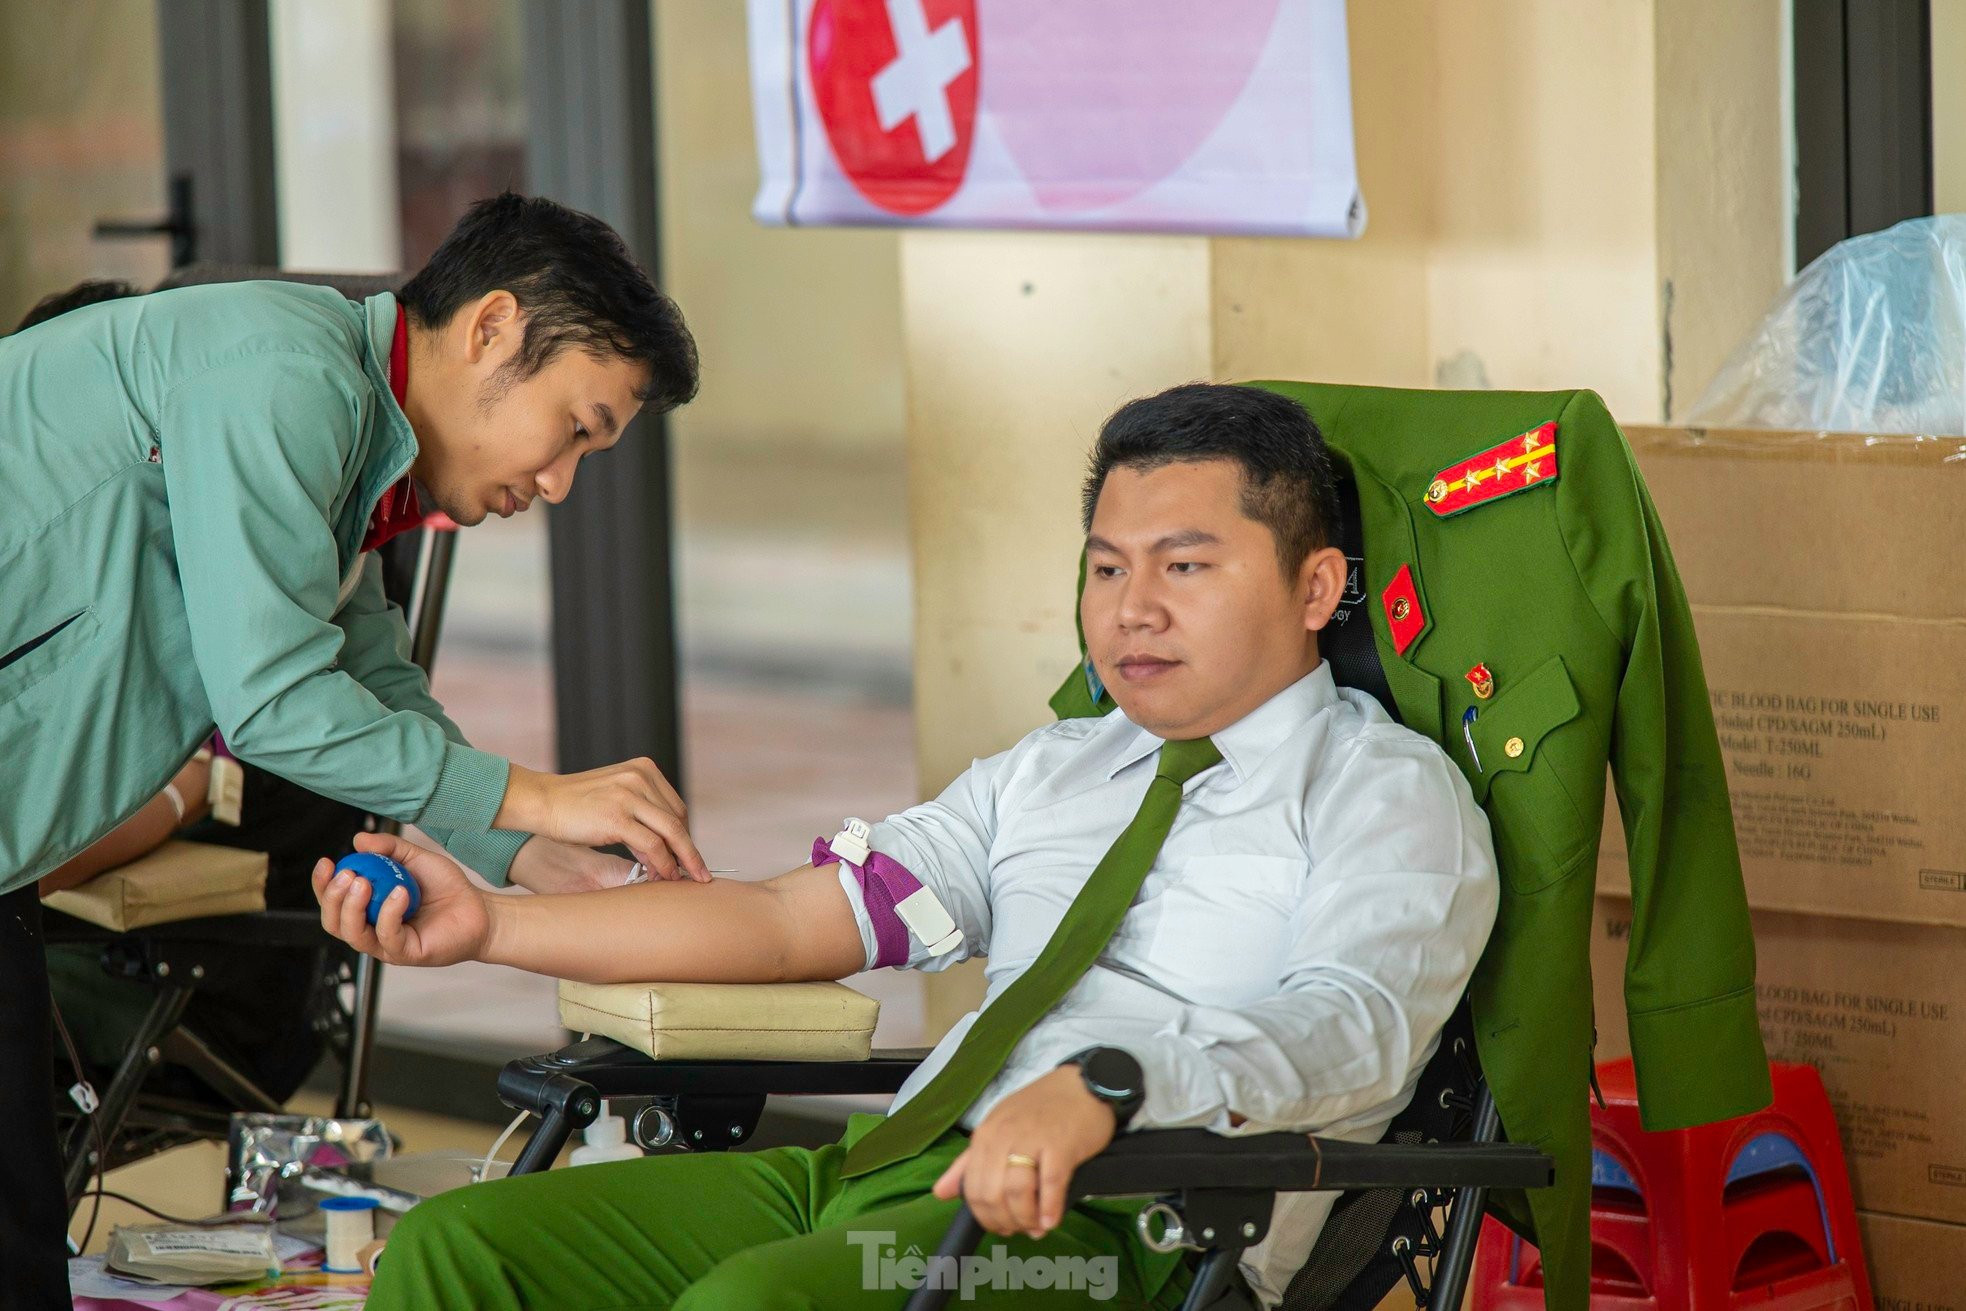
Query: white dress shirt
{"type": "Point", "coordinates": [1310, 924]}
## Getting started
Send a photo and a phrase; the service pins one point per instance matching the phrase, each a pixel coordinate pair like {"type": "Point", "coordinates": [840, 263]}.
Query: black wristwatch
{"type": "Point", "coordinates": [1115, 1078]}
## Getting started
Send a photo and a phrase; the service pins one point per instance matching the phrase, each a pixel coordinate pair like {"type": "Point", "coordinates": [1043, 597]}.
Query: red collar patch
{"type": "Point", "coordinates": [1514, 466]}
{"type": "Point", "coordinates": [1405, 620]}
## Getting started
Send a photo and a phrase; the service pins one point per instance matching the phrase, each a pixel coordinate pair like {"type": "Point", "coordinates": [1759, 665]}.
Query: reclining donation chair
{"type": "Point", "coordinates": [180, 1072]}
{"type": "Point", "coordinates": [1549, 646]}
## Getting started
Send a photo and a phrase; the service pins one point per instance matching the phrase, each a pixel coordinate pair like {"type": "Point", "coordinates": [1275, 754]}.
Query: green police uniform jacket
{"type": "Point", "coordinates": [190, 477]}
{"type": "Point", "coordinates": [1511, 531]}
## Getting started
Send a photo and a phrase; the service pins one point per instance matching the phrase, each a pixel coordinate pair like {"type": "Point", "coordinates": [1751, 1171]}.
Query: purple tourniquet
{"type": "Point", "coordinates": [884, 883]}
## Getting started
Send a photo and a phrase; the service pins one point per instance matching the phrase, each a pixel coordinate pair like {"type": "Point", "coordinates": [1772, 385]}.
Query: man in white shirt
{"type": "Point", "coordinates": [1299, 935]}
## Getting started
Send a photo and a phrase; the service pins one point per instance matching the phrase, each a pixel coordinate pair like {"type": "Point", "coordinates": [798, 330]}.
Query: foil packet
{"type": "Point", "coordinates": [269, 1155]}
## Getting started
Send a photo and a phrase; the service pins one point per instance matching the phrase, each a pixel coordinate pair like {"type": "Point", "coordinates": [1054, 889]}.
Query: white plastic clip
{"type": "Point", "coordinates": [227, 790]}
{"type": "Point", "coordinates": [850, 844]}
{"type": "Point", "coordinates": [926, 919]}
{"type": "Point", "coordinates": [84, 1095]}
{"type": "Point", "coordinates": [919, 910]}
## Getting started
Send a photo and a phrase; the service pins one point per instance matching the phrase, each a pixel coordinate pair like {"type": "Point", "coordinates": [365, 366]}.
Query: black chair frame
{"type": "Point", "coordinates": [1214, 1193]}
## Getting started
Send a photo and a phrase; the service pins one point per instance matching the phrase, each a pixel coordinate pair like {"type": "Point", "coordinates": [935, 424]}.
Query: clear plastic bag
{"type": "Point", "coordinates": [1869, 338]}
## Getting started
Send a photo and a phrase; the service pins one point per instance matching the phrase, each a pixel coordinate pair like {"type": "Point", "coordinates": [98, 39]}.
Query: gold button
{"type": "Point", "coordinates": [1512, 748]}
{"type": "Point", "coordinates": [1437, 491]}
{"type": "Point", "coordinates": [1401, 609]}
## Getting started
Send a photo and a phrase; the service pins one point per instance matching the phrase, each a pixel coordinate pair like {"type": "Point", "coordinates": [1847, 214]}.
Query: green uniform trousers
{"type": "Point", "coordinates": [750, 1231]}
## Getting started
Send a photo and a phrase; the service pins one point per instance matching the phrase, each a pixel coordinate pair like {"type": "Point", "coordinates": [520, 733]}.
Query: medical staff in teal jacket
{"type": "Point", "coordinates": [195, 482]}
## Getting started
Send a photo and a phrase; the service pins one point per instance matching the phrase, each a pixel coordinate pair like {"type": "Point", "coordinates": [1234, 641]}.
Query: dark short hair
{"type": "Point", "coordinates": [574, 279]}
{"type": "Point", "coordinates": [1289, 482]}
{"type": "Point", "coordinates": [55, 304]}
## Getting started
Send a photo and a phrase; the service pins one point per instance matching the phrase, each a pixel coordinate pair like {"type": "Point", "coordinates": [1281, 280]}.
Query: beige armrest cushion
{"type": "Point", "coordinates": [178, 881]}
{"type": "Point", "coordinates": [729, 1021]}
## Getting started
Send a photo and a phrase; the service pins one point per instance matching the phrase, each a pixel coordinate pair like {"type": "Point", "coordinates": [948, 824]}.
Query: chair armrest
{"type": "Point", "coordinates": [613, 1070]}
{"type": "Point", "coordinates": [710, 1104]}
{"type": "Point", "coordinates": [1168, 1160]}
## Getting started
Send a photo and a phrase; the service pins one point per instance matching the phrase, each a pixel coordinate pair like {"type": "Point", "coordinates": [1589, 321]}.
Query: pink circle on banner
{"type": "Point", "coordinates": [1097, 100]}
{"type": "Point", "coordinates": [896, 86]}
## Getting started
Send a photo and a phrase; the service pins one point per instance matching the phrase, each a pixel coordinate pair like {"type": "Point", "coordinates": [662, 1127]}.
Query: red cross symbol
{"type": "Point", "coordinates": [895, 82]}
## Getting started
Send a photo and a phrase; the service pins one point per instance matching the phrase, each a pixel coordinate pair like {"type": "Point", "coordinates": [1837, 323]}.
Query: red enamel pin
{"type": "Point", "coordinates": [1514, 466]}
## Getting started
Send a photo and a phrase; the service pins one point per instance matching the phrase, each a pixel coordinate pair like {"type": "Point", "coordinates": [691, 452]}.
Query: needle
{"type": "Point", "coordinates": [640, 874]}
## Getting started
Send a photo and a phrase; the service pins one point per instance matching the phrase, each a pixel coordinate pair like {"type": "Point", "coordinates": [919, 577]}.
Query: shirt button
{"type": "Point", "coordinates": [1512, 748]}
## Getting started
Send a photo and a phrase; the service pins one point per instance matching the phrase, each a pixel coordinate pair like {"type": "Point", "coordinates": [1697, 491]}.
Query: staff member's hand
{"type": "Point", "coordinates": [630, 803]}
{"type": "Point", "coordinates": [1054, 1121]}
{"type": "Point", "coordinates": [544, 865]}
{"type": "Point", "coordinates": [451, 924]}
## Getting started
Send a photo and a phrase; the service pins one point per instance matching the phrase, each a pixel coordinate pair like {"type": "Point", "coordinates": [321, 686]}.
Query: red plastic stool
{"type": "Point", "coordinates": [1752, 1214]}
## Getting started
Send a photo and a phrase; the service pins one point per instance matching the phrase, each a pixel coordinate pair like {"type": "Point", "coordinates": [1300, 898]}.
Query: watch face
{"type": "Point", "coordinates": [1113, 1073]}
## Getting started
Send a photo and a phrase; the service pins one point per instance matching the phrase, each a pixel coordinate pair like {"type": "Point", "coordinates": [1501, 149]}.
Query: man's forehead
{"type": "Point", "coordinates": [1130, 498]}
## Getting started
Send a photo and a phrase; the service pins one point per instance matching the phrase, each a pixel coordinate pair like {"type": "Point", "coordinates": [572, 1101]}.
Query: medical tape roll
{"type": "Point", "coordinates": [351, 1227]}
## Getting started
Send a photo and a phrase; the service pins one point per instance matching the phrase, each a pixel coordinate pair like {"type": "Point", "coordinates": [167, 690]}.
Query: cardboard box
{"type": "Point", "coordinates": [1880, 1010]}
{"type": "Point", "coordinates": [1831, 612]}
{"type": "Point", "coordinates": [1915, 1265]}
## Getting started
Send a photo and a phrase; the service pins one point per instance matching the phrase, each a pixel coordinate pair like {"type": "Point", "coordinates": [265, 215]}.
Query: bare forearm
{"type": "Point", "coordinates": [141, 833]}
{"type": "Point", "coordinates": [725, 931]}
{"type": "Point", "coordinates": [138, 835]}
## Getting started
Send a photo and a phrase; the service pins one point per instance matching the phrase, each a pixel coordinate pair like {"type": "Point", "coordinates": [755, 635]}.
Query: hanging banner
{"type": "Point", "coordinates": [1210, 116]}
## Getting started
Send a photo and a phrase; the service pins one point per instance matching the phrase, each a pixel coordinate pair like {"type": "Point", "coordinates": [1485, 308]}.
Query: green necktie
{"type": "Point", "coordinates": [1081, 935]}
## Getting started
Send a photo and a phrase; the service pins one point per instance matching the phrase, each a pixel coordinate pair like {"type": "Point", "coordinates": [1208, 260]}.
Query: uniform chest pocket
{"type": "Point", "coordinates": [1223, 924]}
{"type": "Point", "coordinates": [42, 655]}
{"type": "Point", "coordinates": [1534, 744]}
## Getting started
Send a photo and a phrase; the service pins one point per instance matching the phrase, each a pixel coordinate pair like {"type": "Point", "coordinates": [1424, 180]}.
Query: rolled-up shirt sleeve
{"type": "Point", "coordinates": [1402, 895]}
{"type": "Point", "coordinates": [945, 844]}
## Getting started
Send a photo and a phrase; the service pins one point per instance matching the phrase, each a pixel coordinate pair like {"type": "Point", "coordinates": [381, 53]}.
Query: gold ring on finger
{"type": "Point", "coordinates": [1018, 1158]}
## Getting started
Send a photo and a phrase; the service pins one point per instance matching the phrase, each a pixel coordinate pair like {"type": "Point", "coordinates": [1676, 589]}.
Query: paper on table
{"type": "Point", "coordinates": [289, 1246]}
{"type": "Point", "coordinates": [190, 1241]}
{"type": "Point", "coordinates": [87, 1278]}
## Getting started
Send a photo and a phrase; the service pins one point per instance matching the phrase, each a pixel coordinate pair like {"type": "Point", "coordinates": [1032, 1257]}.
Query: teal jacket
{"type": "Point", "coordinates": [1561, 587]}
{"type": "Point", "coordinates": [189, 477]}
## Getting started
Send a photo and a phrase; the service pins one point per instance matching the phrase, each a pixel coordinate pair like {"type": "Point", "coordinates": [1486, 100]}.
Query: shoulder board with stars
{"type": "Point", "coordinates": [1514, 466]}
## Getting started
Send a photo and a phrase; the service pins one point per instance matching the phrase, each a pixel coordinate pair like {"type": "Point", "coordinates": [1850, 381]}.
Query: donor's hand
{"type": "Point", "coordinates": [1051, 1126]}
{"type": "Point", "coordinates": [630, 803]}
{"type": "Point", "coordinates": [451, 924]}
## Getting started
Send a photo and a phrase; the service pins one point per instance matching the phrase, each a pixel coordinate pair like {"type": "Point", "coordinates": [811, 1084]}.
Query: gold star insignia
{"type": "Point", "coordinates": [1532, 471]}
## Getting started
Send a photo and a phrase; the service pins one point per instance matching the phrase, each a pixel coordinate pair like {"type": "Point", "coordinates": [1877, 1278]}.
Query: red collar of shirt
{"type": "Point", "coordinates": [399, 510]}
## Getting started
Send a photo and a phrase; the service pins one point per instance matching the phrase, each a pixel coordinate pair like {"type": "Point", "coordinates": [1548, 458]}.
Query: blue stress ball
{"type": "Point", "coordinates": [384, 876]}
